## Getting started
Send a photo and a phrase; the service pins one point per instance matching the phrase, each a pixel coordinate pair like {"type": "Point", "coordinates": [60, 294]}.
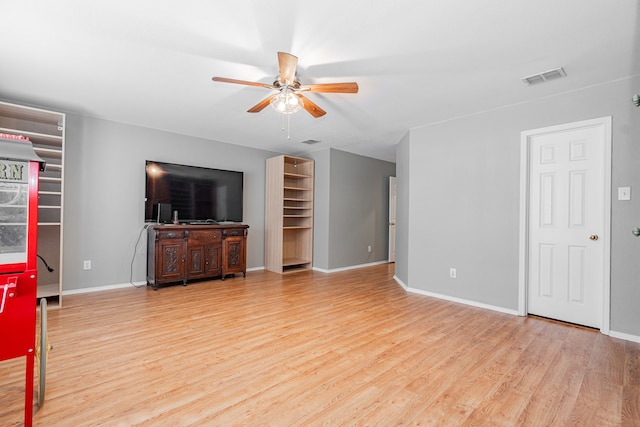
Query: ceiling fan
{"type": "Point", "coordinates": [290, 98]}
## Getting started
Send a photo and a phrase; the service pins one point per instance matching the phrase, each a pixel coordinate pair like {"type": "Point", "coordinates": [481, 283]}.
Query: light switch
{"type": "Point", "coordinates": [624, 193]}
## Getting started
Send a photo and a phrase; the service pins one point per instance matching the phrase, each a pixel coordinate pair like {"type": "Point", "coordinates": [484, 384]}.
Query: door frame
{"type": "Point", "coordinates": [392, 199]}
{"type": "Point", "coordinates": [523, 262]}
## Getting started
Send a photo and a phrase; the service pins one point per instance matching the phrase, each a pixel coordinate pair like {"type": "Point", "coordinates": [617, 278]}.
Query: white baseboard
{"type": "Point", "coordinates": [120, 286]}
{"type": "Point", "coordinates": [457, 300]}
{"type": "Point", "coordinates": [613, 334]}
{"type": "Point", "coordinates": [104, 288]}
{"type": "Point", "coordinates": [623, 336]}
{"type": "Point", "coordinates": [401, 283]}
{"type": "Point", "coordinates": [351, 267]}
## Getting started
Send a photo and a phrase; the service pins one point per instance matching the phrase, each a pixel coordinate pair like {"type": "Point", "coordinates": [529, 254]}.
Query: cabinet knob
{"type": "Point", "coordinates": [593, 237]}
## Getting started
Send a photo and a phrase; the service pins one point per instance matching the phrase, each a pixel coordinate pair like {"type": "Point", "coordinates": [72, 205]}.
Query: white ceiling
{"type": "Point", "coordinates": [150, 62]}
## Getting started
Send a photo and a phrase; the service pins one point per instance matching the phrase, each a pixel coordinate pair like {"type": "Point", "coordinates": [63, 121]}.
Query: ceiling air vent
{"type": "Point", "coordinates": [311, 141]}
{"type": "Point", "coordinates": [544, 77]}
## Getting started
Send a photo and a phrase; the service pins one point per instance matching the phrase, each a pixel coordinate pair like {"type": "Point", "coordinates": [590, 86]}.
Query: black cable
{"type": "Point", "coordinates": [135, 250]}
{"type": "Point", "coordinates": [49, 269]}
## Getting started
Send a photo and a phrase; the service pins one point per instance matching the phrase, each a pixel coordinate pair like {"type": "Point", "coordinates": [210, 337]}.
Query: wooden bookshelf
{"type": "Point", "coordinates": [289, 214]}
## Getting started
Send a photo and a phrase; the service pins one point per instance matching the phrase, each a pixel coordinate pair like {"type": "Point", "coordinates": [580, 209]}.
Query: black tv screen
{"type": "Point", "coordinates": [197, 193]}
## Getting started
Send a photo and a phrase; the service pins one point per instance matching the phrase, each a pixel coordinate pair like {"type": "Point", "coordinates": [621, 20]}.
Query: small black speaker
{"type": "Point", "coordinates": [163, 212]}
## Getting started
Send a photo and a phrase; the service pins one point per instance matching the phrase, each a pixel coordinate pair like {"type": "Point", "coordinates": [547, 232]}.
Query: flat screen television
{"type": "Point", "coordinates": [198, 194]}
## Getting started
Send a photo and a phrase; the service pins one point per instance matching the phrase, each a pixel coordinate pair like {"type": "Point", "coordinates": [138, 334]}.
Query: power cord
{"type": "Point", "coordinates": [49, 269]}
{"type": "Point", "coordinates": [135, 251]}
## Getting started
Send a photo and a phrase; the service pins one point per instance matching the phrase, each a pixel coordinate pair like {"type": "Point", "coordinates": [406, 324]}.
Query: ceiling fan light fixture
{"type": "Point", "coordinates": [289, 101]}
{"type": "Point", "coordinates": [286, 102]}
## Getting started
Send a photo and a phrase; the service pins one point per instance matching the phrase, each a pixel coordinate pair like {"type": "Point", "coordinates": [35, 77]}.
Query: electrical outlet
{"type": "Point", "coordinates": [453, 273]}
{"type": "Point", "coordinates": [86, 264]}
{"type": "Point", "coordinates": [369, 248]}
{"type": "Point", "coordinates": [624, 193]}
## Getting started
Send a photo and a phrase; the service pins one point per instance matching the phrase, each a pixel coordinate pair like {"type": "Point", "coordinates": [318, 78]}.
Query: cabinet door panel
{"type": "Point", "coordinates": [234, 257]}
{"type": "Point", "coordinates": [213, 254]}
{"type": "Point", "coordinates": [195, 261]}
{"type": "Point", "coordinates": [171, 260]}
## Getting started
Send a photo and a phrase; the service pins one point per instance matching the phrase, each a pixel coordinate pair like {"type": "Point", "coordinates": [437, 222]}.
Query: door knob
{"type": "Point", "coordinates": [593, 237]}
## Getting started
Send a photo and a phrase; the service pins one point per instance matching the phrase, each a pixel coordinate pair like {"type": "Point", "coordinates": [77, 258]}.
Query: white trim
{"type": "Point", "coordinates": [525, 136]}
{"type": "Point", "coordinates": [104, 288]}
{"type": "Point", "coordinates": [351, 267]}
{"type": "Point", "coordinates": [121, 286]}
{"type": "Point", "coordinates": [623, 336]}
{"type": "Point", "coordinates": [462, 301]}
{"type": "Point", "coordinates": [523, 235]}
{"type": "Point", "coordinates": [401, 283]}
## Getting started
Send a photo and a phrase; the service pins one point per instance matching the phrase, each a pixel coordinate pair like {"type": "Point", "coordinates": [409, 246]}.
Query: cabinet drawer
{"type": "Point", "coordinates": [170, 234]}
{"type": "Point", "coordinates": [205, 235]}
{"type": "Point", "coordinates": [235, 232]}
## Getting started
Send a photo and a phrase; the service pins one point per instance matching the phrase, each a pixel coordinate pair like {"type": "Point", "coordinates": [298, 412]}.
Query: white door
{"type": "Point", "coordinates": [392, 219]}
{"type": "Point", "coordinates": [567, 222]}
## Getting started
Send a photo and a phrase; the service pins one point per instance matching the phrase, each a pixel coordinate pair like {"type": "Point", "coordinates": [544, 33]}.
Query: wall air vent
{"type": "Point", "coordinates": [310, 141]}
{"type": "Point", "coordinates": [544, 77]}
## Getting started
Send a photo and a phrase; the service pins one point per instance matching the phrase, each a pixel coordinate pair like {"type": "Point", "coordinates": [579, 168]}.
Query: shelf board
{"type": "Point", "coordinates": [48, 207]}
{"type": "Point", "coordinates": [57, 152]}
{"type": "Point", "coordinates": [33, 136]}
{"type": "Point", "coordinates": [49, 179]}
{"type": "Point", "coordinates": [290, 199]}
{"type": "Point", "coordinates": [294, 261]}
{"type": "Point", "coordinates": [51, 193]}
{"type": "Point", "coordinates": [50, 290]}
{"type": "Point", "coordinates": [296, 227]}
{"type": "Point", "coordinates": [298, 188]}
{"type": "Point", "coordinates": [48, 223]}
{"type": "Point", "coordinates": [296, 175]}
{"type": "Point", "coordinates": [49, 156]}
{"type": "Point", "coordinates": [22, 112]}
{"type": "Point", "coordinates": [296, 216]}
{"type": "Point", "coordinates": [53, 166]}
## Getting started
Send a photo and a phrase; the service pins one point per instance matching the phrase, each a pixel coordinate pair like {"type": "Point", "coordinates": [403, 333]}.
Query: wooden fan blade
{"type": "Point", "coordinates": [260, 105]}
{"type": "Point", "coordinates": [311, 108]}
{"type": "Point", "coordinates": [351, 87]}
{"type": "Point", "coordinates": [288, 64]}
{"type": "Point", "coordinates": [242, 82]}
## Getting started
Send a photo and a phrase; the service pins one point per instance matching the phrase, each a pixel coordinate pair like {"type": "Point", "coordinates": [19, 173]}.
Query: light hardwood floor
{"type": "Point", "coordinates": [306, 349]}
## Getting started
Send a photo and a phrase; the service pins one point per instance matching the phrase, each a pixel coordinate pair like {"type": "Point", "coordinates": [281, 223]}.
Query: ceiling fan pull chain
{"type": "Point", "coordinates": [288, 126]}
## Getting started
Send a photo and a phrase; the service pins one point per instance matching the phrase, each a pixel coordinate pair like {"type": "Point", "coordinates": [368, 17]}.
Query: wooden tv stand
{"type": "Point", "coordinates": [179, 253]}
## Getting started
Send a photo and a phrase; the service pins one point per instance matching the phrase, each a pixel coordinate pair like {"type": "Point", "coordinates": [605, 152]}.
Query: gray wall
{"type": "Point", "coordinates": [321, 201]}
{"type": "Point", "coordinates": [104, 195]}
{"type": "Point", "coordinates": [403, 224]}
{"type": "Point", "coordinates": [463, 178]}
{"type": "Point", "coordinates": [104, 199]}
{"type": "Point", "coordinates": [353, 211]}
